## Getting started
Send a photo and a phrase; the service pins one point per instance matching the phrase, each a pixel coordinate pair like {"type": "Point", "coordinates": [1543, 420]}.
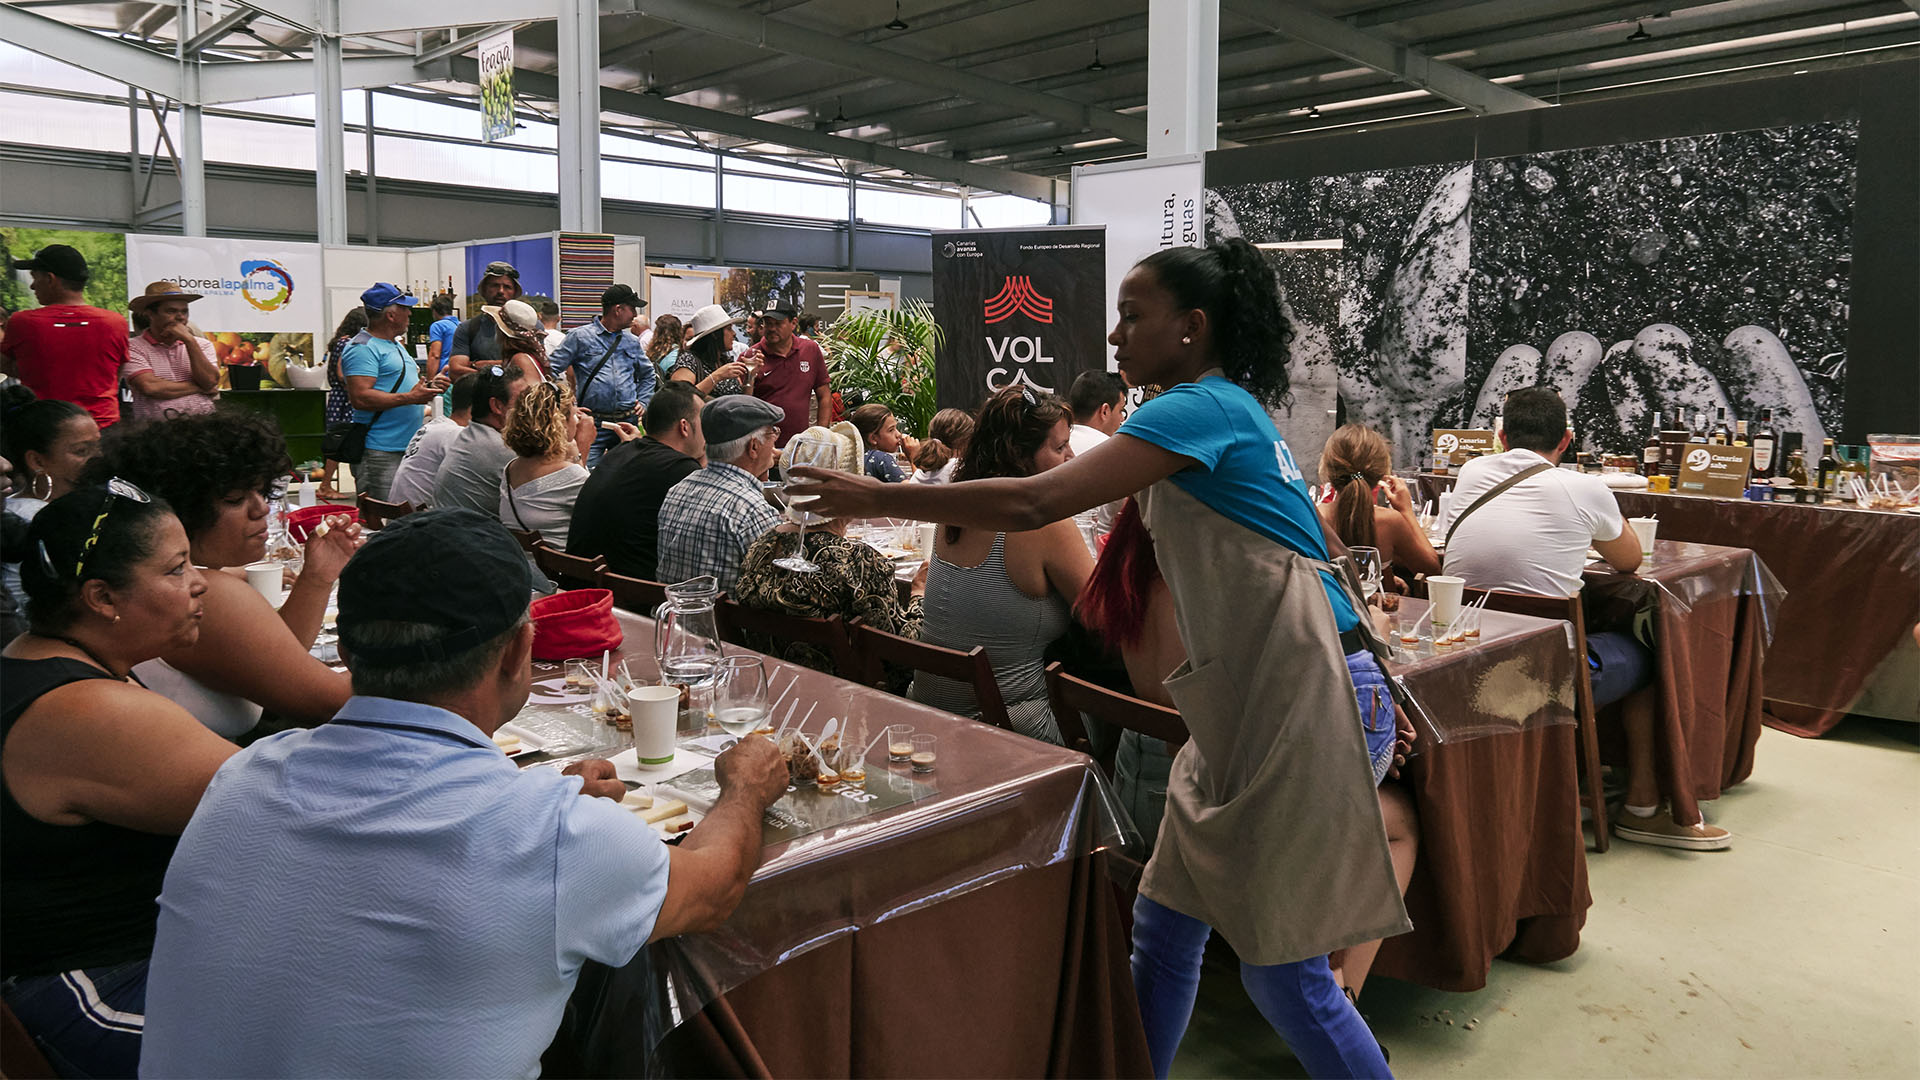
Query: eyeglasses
{"type": "Point", "coordinates": [114, 487]}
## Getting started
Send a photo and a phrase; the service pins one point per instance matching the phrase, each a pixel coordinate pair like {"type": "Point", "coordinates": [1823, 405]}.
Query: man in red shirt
{"type": "Point", "coordinates": [65, 349]}
{"type": "Point", "coordinates": [791, 372]}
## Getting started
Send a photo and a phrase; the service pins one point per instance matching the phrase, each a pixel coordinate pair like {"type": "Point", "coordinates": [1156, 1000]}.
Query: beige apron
{"type": "Point", "coordinates": [1272, 833]}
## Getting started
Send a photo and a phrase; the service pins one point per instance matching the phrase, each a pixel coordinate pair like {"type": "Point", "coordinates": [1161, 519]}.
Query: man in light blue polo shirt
{"type": "Point", "coordinates": [388, 895]}
{"type": "Point", "coordinates": [606, 366]}
{"type": "Point", "coordinates": [383, 384]}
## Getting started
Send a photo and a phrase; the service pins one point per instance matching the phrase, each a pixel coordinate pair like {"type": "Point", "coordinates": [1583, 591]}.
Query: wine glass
{"type": "Point", "coordinates": [1367, 561]}
{"type": "Point", "coordinates": [819, 455]}
{"type": "Point", "coordinates": [740, 695]}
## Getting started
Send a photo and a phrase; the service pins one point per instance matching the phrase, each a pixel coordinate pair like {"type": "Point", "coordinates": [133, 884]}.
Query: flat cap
{"type": "Point", "coordinates": [735, 416]}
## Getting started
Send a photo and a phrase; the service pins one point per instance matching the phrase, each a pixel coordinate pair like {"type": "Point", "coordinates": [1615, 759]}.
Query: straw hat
{"type": "Point", "coordinates": [706, 321]}
{"type": "Point", "coordinates": [158, 291]}
{"type": "Point", "coordinates": [848, 449]}
{"type": "Point", "coordinates": [516, 319]}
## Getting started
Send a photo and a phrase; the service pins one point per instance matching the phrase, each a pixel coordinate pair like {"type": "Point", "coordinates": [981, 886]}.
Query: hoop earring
{"type": "Point", "coordinates": [33, 487]}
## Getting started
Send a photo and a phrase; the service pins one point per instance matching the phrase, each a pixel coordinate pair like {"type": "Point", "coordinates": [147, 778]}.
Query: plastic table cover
{"type": "Point", "coordinates": [1518, 677]}
{"type": "Point", "coordinates": [998, 804]}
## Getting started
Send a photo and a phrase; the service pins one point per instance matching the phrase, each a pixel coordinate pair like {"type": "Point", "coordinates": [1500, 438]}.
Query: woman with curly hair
{"type": "Point", "coordinates": [664, 341]}
{"type": "Point", "coordinates": [1272, 833]}
{"type": "Point", "coordinates": [1010, 590]}
{"type": "Point", "coordinates": [219, 472]}
{"type": "Point", "coordinates": [549, 437]}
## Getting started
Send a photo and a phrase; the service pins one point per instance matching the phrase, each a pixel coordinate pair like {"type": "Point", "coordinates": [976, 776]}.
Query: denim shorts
{"type": "Point", "coordinates": [1618, 665]}
{"type": "Point", "coordinates": [1376, 710]}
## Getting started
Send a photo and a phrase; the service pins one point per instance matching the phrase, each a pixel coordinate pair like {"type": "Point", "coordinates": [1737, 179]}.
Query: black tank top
{"type": "Point", "coordinates": [74, 896]}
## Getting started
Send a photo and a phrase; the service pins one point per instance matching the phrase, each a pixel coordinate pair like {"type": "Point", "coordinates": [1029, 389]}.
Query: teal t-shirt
{"type": "Point", "coordinates": [394, 372]}
{"type": "Point", "coordinates": [1245, 473]}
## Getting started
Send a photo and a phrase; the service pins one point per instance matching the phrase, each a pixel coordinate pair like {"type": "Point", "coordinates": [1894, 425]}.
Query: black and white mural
{"type": "Point", "coordinates": [1698, 273]}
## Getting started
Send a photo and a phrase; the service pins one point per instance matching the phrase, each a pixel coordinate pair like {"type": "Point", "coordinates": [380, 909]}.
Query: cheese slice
{"type": "Point", "coordinates": [670, 809]}
{"type": "Point", "coordinates": [633, 800]}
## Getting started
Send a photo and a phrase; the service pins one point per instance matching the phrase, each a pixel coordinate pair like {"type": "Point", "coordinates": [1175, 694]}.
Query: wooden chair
{"type": "Point", "coordinates": [1573, 610]}
{"type": "Point", "coordinates": [569, 571]}
{"type": "Point", "coordinates": [828, 634]}
{"type": "Point", "coordinates": [638, 595]}
{"type": "Point", "coordinates": [1071, 696]}
{"type": "Point", "coordinates": [874, 649]}
{"type": "Point", "coordinates": [20, 1056]}
{"type": "Point", "coordinates": [529, 540]}
{"type": "Point", "coordinates": [375, 514]}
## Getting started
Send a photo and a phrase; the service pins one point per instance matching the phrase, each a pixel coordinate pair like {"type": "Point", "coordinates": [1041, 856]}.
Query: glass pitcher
{"type": "Point", "coordinates": [686, 644]}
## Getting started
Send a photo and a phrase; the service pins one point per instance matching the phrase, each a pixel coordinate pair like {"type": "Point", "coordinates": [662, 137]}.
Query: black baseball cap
{"type": "Point", "coordinates": [620, 294]}
{"type": "Point", "coordinates": [778, 311]}
{"type": "Point", "coordinates": [59, 260]}
{"type": "Point", "coordinates": [456, 569]}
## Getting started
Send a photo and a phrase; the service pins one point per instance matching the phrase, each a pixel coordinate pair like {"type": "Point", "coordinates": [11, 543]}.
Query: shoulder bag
{"type": "Point", "coordinates": [1502, 486]}
{"type": "Point", "coordinates": [346, 441]}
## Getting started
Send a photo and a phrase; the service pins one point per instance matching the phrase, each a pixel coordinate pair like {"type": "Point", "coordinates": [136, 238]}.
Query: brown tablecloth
{"type": "Point", "coordinates": [1502, 865]}
{"type": "Point", "coordinates": [888, 945]}
{"type": "Point", "coordinates": [1853, 590]}
{"type": "Point", "coordinates": [1711, 608]}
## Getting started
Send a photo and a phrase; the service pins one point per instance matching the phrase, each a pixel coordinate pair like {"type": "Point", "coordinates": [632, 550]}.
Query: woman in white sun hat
{"type": "Point", "coordinates": [703, 359]}
{"type": "Point", "coordinates": [522, 337]}
{"type": "Point", "coordinates": [854, 580]}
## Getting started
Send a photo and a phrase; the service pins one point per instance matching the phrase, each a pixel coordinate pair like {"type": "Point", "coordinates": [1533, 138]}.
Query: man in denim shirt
{"type": "Point", "coordinates": [606, 367]}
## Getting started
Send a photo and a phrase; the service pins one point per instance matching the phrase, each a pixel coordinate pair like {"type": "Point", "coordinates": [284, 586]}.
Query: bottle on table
{"type": "Point", "coordinates": [1796, 472]}
{"type": "Point", "coordinates": [1720, 434]}
{"type": "Point", "coordinates": [1696, 431]}
{"type": "Point", "coordinates": [1740, 433]}
{"type": "Point", "coordinates": [1855, 466]}
{"type": "Point", "coordinates": [1652, 454]}
{"type": "Point", "coordinates": [1766, 438]}
{"type": "Point", "coordinates": [1828, 476]}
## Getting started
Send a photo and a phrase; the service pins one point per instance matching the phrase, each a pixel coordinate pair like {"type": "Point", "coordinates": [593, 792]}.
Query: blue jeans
{"type": "Point", "coordinates": [603, 441]}
{"type": "Point", "coordinates": [86, 1023]}
{"type": "Point", "coordinates": [1301, 1000]}
{"type": "Point", "coordinates": [1376, 711]}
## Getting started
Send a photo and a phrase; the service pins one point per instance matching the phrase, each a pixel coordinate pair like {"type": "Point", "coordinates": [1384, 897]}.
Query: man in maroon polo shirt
{"type": "Point", "coordinates": [791, 372]}
{"type": "Point", "coordinates": [66, 349]}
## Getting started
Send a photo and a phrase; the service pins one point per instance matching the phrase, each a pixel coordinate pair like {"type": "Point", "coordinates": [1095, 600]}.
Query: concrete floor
{"type": "Point", "coordinates": [1796, 953]}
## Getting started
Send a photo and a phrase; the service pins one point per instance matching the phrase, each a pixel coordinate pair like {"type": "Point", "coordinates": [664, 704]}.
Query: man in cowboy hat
{"type": "Point", "coordinates": [603, 363]}
{"type": "Point", "coordinates": [66, 349]}
{"type": "Point", "coordinates": [170, 369]}
{"type": "Point", "coordinates": [474, 343]}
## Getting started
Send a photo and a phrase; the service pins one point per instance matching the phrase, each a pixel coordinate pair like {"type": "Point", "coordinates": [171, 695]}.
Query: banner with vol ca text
{"type": "Point", "coordinates": [248, 286]}
{"type": "Point", "coordinates": [1021, 307]}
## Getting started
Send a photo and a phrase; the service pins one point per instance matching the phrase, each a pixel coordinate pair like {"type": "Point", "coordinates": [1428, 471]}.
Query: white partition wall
{"type": "Point", "coordinates": [349, 270]}
{"type": "Point", "coordinates": [1146, 206]}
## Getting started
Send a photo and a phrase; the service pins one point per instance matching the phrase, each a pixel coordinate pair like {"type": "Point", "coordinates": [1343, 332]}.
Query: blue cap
{"type": "Point", "coordinates": [385, 295]}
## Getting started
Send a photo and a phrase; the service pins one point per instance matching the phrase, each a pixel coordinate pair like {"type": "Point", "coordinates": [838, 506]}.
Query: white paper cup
{"type": "Point", "coordinates": [267, 579]}
{"type": "Point", "coordinates": [928, 530]}
{"type": "Point", "coordinates": [1444, 591]}
{"type": "Point", "coordinates": [656, 719]}
{"type": "Point", "coordinates": [1644, 528]}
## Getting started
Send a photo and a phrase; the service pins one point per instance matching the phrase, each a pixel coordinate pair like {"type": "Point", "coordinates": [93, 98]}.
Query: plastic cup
{"type": "Point", "coordinates": [926, 533]}
{"type": "Point", "coordinates": [656, 719]}
{"type": "Point", "coordinates": [1444, 591]}
{"type": "Point", "coordinates": [268, 579]}
{"type": "Point", "coordinates": [900, 743]}
{"type": "Point", "coordinates": [926, 752]}
{"type": "Point", "coordinates": [1644, 528]}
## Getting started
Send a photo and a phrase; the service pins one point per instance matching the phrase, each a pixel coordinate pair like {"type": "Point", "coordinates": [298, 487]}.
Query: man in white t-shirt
{"type": "Point", "coordinates": [1098, 403]}
{"type": "Point", "coordinates": [1533, 538]}
{"type": "Point", "coordinates": [420, 466]}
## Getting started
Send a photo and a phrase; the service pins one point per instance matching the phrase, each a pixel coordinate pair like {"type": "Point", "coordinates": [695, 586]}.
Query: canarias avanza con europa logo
{"type": "Point", "coordinates": [263, 283]}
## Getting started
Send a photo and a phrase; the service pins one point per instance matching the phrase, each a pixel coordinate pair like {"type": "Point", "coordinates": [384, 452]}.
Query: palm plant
{"type": "Point", "coordinates": [887, 357]}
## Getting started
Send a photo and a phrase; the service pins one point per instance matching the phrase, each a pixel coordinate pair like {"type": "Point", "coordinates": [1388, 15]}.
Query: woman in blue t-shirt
{"type": "Point", "coordinates": [1272, 833]}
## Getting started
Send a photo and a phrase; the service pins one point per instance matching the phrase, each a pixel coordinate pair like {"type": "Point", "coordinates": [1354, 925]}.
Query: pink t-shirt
{"type": "Point", "coordinates": [170, 362]}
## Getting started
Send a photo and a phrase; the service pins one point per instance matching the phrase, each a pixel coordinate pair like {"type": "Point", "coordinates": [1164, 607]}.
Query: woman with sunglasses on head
{"type": "Point", "coordinates": [1272, 833]}
{"type": "Point", "coordinates": [549, 438]}
{"type": "Point", "coordinates": [219, 472]}
{"type": "Point", "coordinates": [98, 776]}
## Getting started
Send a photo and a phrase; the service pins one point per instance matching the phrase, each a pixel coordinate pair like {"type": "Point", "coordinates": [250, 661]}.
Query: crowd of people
{"type": "Point", "coordinates": [186, 786]}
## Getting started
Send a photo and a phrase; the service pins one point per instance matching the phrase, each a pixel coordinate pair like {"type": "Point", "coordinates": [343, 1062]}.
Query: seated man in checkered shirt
{"type": "Point", "coordinates": [710, 519]}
